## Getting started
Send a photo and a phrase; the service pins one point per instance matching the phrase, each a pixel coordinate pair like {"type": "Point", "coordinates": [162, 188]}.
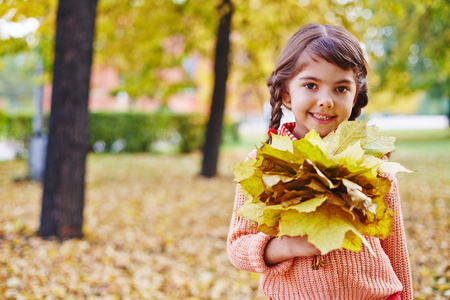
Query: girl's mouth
{"type": "Point", "coordinates": [322, 117]}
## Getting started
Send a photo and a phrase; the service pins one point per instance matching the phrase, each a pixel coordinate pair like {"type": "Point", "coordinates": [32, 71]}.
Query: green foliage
{"type": "Point", "coordinates": [127, 41]}
{"type": "Point", "coordinates": [3, 122]}
{"type": "Point", "coordinates": [139, 131]}
{"type": "Point", "coordinates": [41, 40]}
{"type": "Point", "coordinates": [17, 126]}
{"type": "Point", "coordinates": [413, 36]}
{"type": "Point", "coordinates": [191, 131]}
{"type": "Point", "coordinates": [16, 74]}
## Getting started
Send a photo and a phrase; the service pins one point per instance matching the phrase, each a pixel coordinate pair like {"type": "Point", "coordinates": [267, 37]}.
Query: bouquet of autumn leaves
{"type": "Point", "coordinates": [328, 189]}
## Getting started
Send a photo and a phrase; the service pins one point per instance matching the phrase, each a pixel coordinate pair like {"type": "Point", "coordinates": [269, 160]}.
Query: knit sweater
{"type": "Point", "coordinates": [345, 275]}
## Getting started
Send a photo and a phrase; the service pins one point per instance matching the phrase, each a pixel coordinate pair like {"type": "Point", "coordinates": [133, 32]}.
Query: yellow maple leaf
{"type": "Point", "coordinates": [244, 170]}
{"type": "Point", "coordinates": [326, 227]}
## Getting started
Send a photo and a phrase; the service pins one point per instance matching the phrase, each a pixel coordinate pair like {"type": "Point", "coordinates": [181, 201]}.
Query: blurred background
{"type": "Point", "coordinates": [152, 82]}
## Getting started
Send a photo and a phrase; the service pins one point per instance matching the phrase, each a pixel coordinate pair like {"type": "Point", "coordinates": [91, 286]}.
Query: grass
{"type": "Point", "coordinates": [422, 142]}
{"type": "Point", "coordinates": [154, 229]}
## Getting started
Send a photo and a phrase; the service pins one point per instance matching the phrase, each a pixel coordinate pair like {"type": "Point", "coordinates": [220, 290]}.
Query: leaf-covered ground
{"type": "Point", "coordinates": [154, 229]}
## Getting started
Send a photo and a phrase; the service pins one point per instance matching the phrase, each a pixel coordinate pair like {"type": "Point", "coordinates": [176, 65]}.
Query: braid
{"type": "Point", "coordinates": [275, 89]}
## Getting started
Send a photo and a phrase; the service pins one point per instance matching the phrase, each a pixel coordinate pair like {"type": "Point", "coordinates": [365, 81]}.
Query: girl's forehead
{"type": "Point", "coordinates": [318, 68]}
{"type": "Point", "coordinates": [306, 59]}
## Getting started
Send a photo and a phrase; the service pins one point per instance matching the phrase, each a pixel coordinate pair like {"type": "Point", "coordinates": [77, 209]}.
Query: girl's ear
{"type": "Point", "coordinates": [286, 100]}
{"type": "Point", "coordinates": [286, 97]}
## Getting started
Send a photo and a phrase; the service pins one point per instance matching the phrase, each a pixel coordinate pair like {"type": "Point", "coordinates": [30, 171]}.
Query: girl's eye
{"type": "Point", "coordinates": [342, 89]}
{"type": "Point", "coordinates": [310, 86]}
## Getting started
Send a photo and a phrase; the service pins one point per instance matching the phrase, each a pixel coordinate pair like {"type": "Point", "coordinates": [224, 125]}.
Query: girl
{"type": "Point", "coordinates": [321, 77]}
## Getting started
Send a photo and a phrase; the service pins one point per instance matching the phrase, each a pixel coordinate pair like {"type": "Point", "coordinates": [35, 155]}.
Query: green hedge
{"type": "Point", "coordinates": [17, 126]}
{"type": "Point", "coordinates": [141, 132]}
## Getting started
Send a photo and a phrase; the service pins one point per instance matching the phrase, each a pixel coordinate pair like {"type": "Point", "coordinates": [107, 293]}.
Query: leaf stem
{"type": "Point", "coordinates": [317, 262]}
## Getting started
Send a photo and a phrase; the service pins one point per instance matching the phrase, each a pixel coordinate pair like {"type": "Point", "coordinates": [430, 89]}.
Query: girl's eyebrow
{"type": "Point", "coordinates": [312, 78]}
{"type": "Point", "coordinates": [345, 81]}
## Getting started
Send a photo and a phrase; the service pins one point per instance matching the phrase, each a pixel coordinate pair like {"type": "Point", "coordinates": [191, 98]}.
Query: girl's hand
{"type": "Point", "coordinates": [286, 247]}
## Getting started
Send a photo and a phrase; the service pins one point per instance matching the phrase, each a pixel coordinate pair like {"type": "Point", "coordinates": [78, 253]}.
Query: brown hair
{"type": "Point", "coordinates": [331, 43]}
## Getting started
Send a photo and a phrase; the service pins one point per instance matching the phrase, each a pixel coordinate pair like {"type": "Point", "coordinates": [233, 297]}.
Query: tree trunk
{"type": "Point", "coordinates": [214, 130]}
{"type": "Point", "coordinates": [63, 195]}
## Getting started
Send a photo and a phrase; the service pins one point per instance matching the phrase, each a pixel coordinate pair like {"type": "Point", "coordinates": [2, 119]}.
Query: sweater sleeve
{"type": "Point", "coordinates": [395, 245]}
{"type": "Point", "coordinates": [246, 245]}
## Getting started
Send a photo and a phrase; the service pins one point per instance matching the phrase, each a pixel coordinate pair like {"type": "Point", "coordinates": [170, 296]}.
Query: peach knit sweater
{"type": "Point", "coordinates": [346, 275]}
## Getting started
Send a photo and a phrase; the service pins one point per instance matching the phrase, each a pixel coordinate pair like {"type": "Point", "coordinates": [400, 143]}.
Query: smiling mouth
{"type": "Point", "coordinates": [321, 117]}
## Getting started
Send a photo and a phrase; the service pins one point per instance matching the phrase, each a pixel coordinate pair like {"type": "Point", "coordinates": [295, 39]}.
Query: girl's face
{"type": "Point", "coordinates": [321, 96]}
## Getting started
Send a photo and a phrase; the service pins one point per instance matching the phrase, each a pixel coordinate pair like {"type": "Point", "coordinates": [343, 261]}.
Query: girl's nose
{"type": "Point", "coordinates": [325, 100]}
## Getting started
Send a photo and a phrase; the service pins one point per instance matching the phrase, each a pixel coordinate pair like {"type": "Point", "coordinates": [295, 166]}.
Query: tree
{"type": "Point", "coordinates": [125, 43]}
{"type": "Point", "coordinates": [214, 129]}
{"type": "Point", "coordinates": [408, 41]}
{"type": "Point", "coordinates": [63, 193]}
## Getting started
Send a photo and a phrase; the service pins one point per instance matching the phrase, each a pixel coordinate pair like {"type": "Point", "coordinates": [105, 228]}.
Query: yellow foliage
{"type": "Point", "coordinates": [327, 189]}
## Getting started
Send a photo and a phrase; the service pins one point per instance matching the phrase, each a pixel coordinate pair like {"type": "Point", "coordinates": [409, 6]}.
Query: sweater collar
{"type": "Point", "coordinates": [286, 129]}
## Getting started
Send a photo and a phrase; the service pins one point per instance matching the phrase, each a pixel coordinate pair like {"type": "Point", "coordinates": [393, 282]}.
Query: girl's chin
{"type": "Point", "coordinates": [323, 135]}
{"type": "Point", "coordinates": [323, 132]}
